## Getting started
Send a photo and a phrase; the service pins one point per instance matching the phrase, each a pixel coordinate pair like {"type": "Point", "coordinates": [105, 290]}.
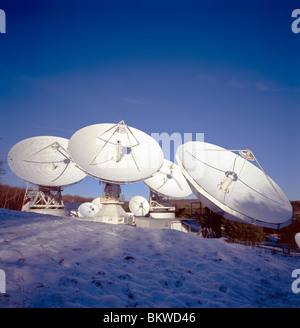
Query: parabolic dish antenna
{"type": "Point", "coordinates": [231, 186]}
{"type": "Point", "coordinates": [169, 181]}
{"type": "Point", "coordinates": [115, 153]}
{"type": "Point", "coordinates": [88, 210]}
{"type": "Point", "coordinates": [97, 202]}
{"type": "Point", "coordinates": [44, 161]}
{"type": "Point", "coordinates": [139, 206]}
{"type": "Point", "coordinates": [297, 239]}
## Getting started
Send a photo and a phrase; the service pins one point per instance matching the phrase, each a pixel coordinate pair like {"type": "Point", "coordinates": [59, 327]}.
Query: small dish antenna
{"type": "Point", "coordinates": [229, 184]}
{"type": "Point", "coordinates": [139, 206]}
{"type": "Point", "coordinates": [88, 210]}
{"type": "Point", "coordinates": [97, 202]}
{"type": "Point", "coordinates": [115, 154]}
{"type": "Point", "coordinates": [44, 161]}
{"type": "Point", "coordinates": [169, 181]}
{"type": "Point", "coordinates": [297, 239]}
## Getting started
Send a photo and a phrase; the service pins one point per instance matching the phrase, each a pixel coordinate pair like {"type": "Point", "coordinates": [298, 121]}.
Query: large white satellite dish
{"type": "Point", "coordinates": [88, 210]}
{"type": "Point", "coordinates": [297, 239]}
{"type": "Point", "coordinates": [115, 153]}
{"type": "Point", "coordinates": [231, 186]}
{"type": "Point", "coordinates": [169, 181]}
{"type": "Point", "coordinates": [139, 206]}
{"type": "Point", "coordinates": [44, 161]}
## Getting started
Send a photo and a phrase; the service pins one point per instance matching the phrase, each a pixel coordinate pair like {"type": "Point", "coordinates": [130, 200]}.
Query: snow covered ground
{"type": "Point", "coordinates": [66, 262]}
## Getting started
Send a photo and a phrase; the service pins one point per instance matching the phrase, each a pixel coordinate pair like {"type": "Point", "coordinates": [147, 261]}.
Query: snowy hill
{"type": "Point", "coordinates": [65, 262]}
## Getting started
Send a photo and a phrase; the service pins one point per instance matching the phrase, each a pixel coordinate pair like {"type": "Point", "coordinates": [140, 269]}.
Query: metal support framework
{"type": "Point", "coordinates": [156, 200]}
{"type": "Point", "coordinates": [43, 197]}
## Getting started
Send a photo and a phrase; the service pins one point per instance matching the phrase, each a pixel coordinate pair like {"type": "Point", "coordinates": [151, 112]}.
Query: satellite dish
{"type": "Point", "coordinates": [88, 210]}
{"type": "Point", "coordinates": [44, 161]}
{"type": "Point", "coordinates": [139, 206]}
{"type": "Point", "coordinates": [169, 181]}
{"type": "Point", "coordinates": [297, 239]}
{"type": "Point", "coordinates": [115, 153]}
{"type": "Point", "coordinates": [97, 202]}
{"type": "Point", "coordinates": [228, 184]}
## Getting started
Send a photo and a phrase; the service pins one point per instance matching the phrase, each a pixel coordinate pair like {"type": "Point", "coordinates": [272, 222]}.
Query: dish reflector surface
{"type": "Point", "coordinates": [115, 152]}
{"type": "Point", "coordinates": [139, 206]}
{"type": "Point", "coordinates": [97, 202]}
{"type": "Point", "coordinates": [44, 161]}
{"type": "Point", "coordinates": [88, 210]}
{"type": "Point", "coordinates": [169, 181]}
{"type": "Point", "coordinates": [233, 187]}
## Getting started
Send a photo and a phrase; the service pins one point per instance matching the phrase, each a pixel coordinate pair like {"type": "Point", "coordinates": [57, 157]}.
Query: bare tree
{"type": "Point", "coordinates": [2, 166]}
{"type": "Point", "coordinates": [2, 170]}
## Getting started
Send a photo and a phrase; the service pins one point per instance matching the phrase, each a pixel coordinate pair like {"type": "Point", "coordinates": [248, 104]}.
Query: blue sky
{"type": "Point", "coordinates": [228, 69]}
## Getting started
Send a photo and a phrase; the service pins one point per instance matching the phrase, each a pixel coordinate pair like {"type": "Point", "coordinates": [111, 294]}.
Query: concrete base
{"type": "Point", "coordinates": [175, 224]}
{"type": "Point", "coordinates": [50, 211]}
{"type": "Point", "coordinates": [162, 212]}
{"type": "Point", "coordinates": [112, 212]}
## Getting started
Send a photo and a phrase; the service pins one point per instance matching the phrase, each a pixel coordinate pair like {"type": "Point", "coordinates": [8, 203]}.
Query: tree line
{"type": "Point", "coordinates": [12, 197]}
{"type": "Point", "coordinates": [243, 232]}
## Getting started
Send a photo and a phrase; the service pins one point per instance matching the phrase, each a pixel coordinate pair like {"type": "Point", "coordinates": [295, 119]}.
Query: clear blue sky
{"type": "Point", "coordinates": [228, 69]}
